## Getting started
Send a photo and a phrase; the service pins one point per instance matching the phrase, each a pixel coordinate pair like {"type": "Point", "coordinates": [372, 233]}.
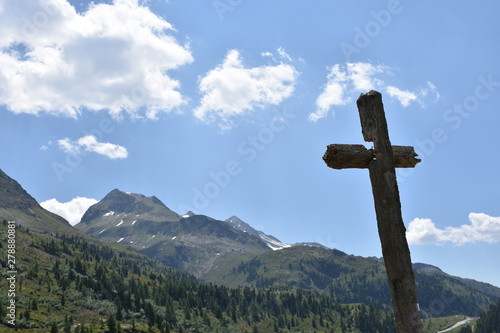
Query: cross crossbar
{"type": "Point", "coordinates": [342, 156]}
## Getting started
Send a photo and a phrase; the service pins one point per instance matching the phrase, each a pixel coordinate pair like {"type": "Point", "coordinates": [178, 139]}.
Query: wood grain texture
{"type": "Point", "coordinates": [392, 231]}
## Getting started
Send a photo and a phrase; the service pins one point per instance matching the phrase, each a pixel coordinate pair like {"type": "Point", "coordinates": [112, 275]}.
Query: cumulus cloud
{"type": "Point", "coordinates": [72, 211]}
{"type": "Point", "coordinates": [89, 143]}
{"type": "Point", "coordinates": [406, 97]}
{"type": "Point", "coordinates": [482, 228]}
{"type": "Point", "coordinates": [111, 57]}
{"type": "Point", "coordinates": [231, 89]}
{"type": "Point", "coordinates": [342, 82]}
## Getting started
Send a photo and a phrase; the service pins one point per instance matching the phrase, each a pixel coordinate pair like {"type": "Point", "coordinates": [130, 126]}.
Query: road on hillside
{"type": "Point", "coordinates": [460, 323]}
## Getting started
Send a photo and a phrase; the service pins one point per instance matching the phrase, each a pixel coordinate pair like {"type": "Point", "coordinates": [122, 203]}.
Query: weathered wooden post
{"type": "Point", "coordinates": [381, 161]}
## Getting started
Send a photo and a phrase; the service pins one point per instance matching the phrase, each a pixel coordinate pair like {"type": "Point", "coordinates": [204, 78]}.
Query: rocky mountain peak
{"type": "Point", "coordinates": [12, 195]}
{"type": "Point", "coordinates": [120, 202]}
{"type": "Point", "coordinates": [271, 241]}
{"type": "Point", "coordinates": [18, 205]}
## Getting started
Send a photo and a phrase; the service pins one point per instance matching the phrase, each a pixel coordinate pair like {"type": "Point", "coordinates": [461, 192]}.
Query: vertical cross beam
{"type": "Point", "coordinates": [391, 228]}
{"type": "Point", "coordinates": [381, 162]}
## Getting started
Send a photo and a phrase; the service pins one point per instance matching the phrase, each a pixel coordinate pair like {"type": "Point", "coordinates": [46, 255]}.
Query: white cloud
{"type": "Point", "coordinates": [282, 53]}
{"type": "Point", "coordinates": [333, 94]}
{"type": "Point", "coordinates": [89, 143]}
{"type": "Point", "coordinates": [231, 89]}
{"type": "Point", "coordinates": [482, 228]}
{"type": "Point", "coordinates": [68, 146]}
{"type": "Point", "coordinates": [430, 90]}
{"type": "Point", "coordinates": [362, 75]}
{"type": "Point", "coordinates": [406, 97]}
{"type": "Point", "coordinates": [46, 147]}
{"type": "Point", "coordinates": [113, 57]}
{"type": "Point", "coordinates": [72, 211]}
{"type": "Point", "coordinates": [423, 231]}
{"type": "Point", "coordinates": [342, 82]}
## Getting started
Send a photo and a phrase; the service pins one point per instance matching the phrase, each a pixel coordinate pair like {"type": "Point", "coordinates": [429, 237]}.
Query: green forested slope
{"type": "Point", "coordinates": [73, 282]}
{"type": "Point", "coordinates": [353, 279]}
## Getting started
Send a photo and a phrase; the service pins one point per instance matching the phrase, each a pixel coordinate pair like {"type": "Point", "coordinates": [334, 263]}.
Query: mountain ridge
{"type": "Point", "coordinates": [353, 279]}
{"type": "Point", "coordinates": [17, 204]}
{"type": "Point", "coordinates": [126, 202]}
{"type": "Point", "coordinates": [271, 241]}
{"type": "Point", "coordinates": [149, 226]}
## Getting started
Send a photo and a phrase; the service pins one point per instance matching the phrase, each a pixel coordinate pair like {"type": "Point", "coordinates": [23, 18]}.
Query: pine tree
{"type": "Point", "coordinates": [119, 313]}
{"type": "Point", "coordinates": [34, 305]}
{"type": "Point", "coordinates": [67, 327]}
{"type": "Point", "coordinates": [112, 328]}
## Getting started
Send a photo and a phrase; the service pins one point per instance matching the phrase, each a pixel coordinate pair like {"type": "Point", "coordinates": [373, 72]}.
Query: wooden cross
{"type": "Point", "coordinates": [381, 160]}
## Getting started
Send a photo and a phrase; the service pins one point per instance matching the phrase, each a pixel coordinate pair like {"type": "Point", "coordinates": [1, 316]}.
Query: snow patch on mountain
{"type": "Point", "coordinates": [271, 241]}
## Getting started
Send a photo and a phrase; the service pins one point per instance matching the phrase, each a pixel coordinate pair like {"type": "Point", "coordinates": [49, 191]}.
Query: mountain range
{"type": "Point", "coordinates": [227, 253]}
{"type": "Point", "coordinates": [192, 243]}
{"type": "Point", "coordinates": [61, 279]}
{"type": "Point", "coordinates": [234, 254]}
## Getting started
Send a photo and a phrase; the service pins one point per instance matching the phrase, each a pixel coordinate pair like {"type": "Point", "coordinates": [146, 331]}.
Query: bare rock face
{"type": "Point", "coordinates": [12, 195]}
{"type": "Point", "coordinates": [18, 205]}
{"type": "Point", "coordinates": [192, 243]}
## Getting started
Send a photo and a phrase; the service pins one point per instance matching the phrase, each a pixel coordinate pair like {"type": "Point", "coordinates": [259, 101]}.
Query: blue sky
{"type": "Point", "coordinates": [225, 108]}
